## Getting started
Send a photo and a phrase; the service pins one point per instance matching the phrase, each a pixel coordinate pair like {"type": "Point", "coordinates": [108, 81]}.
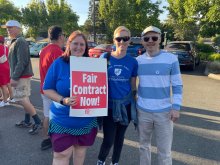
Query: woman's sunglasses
{"type": "Point", "coordinates": [125, 39]}
{"type": "Point", "coordinates": [153, 38]}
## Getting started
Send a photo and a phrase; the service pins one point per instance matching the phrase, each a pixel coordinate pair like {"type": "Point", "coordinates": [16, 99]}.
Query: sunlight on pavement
{"type": "Point", "coordinates": [215, 119]}
{"type": "Point", "coordinates": [185, 158]}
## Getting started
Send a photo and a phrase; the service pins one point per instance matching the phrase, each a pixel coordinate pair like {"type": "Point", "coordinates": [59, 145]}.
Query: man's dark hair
{"type": "Point", "coordinates": [54, 32]}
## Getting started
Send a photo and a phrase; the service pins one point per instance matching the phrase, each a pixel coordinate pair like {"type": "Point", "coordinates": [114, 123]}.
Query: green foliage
{"type": "Point", "coordinates": [209, 56]}
{"type": "Point", "coordinates": [216, 40]}
{"type": "Point", "coordinates": [205, 48]}
{"type": "Point", "coordinates": [134, 14]}
{"type": "Point", "coordinates": [38, 16]}
{"type": "Point", "coordinates": [8, 12]}
{"type": "Point", "coordinates": [214, 57]}
{"type": "Point", "coordinates": [191, 18]}
{"type": "Point", "coordinates": [99, 23]}
{"type": "Point", "coordinates": [204, 56]}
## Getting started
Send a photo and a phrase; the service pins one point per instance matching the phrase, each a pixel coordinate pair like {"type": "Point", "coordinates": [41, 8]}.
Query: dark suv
{"type": "Point", "coordinates": [186, 52]}
{"type": "Point", "coordinates": [135, 48]}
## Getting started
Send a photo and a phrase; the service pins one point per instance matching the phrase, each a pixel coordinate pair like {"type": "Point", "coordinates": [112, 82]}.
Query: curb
{"type": "Point", "coordinates": [214, 76]}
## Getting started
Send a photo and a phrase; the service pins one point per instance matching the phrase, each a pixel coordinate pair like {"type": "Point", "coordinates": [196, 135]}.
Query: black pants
{"type": "Point", "coordinates": [113, 133]}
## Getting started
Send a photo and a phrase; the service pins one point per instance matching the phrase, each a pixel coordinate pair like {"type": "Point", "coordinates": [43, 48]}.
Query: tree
{"type": "Point", "coordinates": [134, 14]}
{"type": "Point", "coordinates": [38, 16]}
{"type": "Point", "coordinates": [192, 18]}
{"type": "Point", "coordinates": [35, 17]}
{"type": "Point", "coordinates": [94, 21]}
{"type": "Point", "coordinates": [8, 12]}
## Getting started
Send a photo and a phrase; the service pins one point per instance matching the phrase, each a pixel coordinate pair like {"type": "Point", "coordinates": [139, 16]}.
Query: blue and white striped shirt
{"type": "Point", "coordinates": [160, 84]}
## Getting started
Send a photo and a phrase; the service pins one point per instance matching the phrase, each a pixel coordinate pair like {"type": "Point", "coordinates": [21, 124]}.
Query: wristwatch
{"type": "Point", "coordinates": [61, 101]}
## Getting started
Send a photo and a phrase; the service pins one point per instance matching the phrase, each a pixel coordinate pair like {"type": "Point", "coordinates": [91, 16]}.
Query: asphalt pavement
{"type": "Point", "coordinates": [196, 135]}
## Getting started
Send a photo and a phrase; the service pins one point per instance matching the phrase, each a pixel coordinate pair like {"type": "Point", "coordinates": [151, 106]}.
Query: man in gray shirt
{"type": "Point", "coordinates": [21, 73]}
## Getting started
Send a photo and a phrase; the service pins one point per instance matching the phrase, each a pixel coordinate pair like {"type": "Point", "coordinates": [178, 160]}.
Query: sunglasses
{"type": "Point", "coordinates": [125, 39]}
{"type": "Point", "coordinates": [153, 38]}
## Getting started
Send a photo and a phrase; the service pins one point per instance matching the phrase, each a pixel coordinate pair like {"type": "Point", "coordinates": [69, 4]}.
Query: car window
{"type": "Point", "coordinates": [135, 41]}
{"type": "Point", "coordinates": [178, 46]}
{"type": "Point", "coordinates": [102, 46]}
{"type": "Point", "coordinates": [91, 44]}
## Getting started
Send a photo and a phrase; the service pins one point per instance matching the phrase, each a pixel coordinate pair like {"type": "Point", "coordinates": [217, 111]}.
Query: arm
{"type": "Point", "coordinates": [177, 87]}
{"type": "Point", "coordinates": [50, 86]}
{"type": "Point", "coordinates": [53, 95]}
{"type": "Point", "coordinates": [134, 80]}
{"type": "Point", "coordinates": [133, 86]}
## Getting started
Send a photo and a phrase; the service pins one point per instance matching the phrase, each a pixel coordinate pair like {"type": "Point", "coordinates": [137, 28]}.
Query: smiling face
{"type": "Point", "coordinates": [78, 46]}
{"type": "Point", "coordinates": [151, 41]}
{"type": "Point", "coordinates": [122, 40]}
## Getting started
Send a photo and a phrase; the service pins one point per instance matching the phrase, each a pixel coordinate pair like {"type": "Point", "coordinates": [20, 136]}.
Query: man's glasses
{"type": "Point", "coordinates": [125, 39]}
{"type": "Point", "coordinates": [153, 38]}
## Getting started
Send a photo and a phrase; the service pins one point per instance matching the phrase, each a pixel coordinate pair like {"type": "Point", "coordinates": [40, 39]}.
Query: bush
{"type": "Point", "coordinates": [214, 57]}
{"type": "Point", "coordinates": [209, 56]}
{"type": "Point", "coordinates": [204, 56]}
{"type": "Point", "coordinates": [205, 48]}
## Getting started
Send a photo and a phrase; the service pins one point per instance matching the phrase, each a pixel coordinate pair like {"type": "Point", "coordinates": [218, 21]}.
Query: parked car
{"type": "Point", "coordinates": [186, 52]}
{"type": "Point", "coordinates": [30, 44]}
{"type": "Point", "coordinates": [91, 44]}
{"type": "Point", "coordinates": [98, 50]}
{"type": "Point", "coordinates": [36, 48]}
{"type": "Point", "coordinates": [135, 48]}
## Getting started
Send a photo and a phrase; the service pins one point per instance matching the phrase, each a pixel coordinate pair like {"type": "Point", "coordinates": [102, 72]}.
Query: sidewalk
{"type": "Point", "coordinates": [214, 76]}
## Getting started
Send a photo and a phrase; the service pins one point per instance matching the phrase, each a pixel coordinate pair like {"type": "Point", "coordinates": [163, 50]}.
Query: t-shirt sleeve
{"type": "Point", "coordinates": [51, 78]}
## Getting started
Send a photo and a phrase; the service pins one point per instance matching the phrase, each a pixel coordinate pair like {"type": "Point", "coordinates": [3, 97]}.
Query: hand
{"type": "Point", "coordinates": [71, 101]}
{"type": "Point", "coordinates": [13, 83]}
{"type": "Point", "coordinates": [174, 115]}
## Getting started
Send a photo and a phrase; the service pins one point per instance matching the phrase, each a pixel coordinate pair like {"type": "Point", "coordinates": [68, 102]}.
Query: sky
{"type": "Point", "coordinates": [80, 7]}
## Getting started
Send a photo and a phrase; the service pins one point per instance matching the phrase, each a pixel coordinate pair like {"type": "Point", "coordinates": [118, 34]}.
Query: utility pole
{"type": "Point", "coordinates": [165, 38]}
{"type": "Point", "coordinates": [94, 32]}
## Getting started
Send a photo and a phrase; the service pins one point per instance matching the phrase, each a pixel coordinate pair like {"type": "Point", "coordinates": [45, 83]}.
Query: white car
{"type": "Point", "coordinates": [36, 48]}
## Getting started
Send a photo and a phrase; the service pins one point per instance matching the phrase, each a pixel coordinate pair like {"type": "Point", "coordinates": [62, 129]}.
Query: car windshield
{"type": "Point", "coordinates": [102, 46]}
{"type": "Point", "coordinates": [91, 44]}
{"type": "Point", "coordinates": [135, 41]}
{"type": "Point", "coordinates": [178, 46]}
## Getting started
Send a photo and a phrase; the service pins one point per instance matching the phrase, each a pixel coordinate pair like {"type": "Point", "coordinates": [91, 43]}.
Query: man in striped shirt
{"type": "Point", "coordinates": [159, 97]}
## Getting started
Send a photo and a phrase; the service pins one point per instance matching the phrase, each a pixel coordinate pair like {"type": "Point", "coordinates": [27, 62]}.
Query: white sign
{"type": "Point", "coordinates": [88, 79]}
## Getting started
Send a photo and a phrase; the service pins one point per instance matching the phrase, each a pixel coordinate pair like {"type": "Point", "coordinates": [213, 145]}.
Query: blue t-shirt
{"type": "Point", "coordinates": [120, 72]}
{"type": "Point", "coordinates": [58, 79]}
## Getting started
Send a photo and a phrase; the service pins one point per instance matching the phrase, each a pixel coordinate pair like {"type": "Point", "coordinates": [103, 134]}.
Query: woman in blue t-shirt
{"type": "Point", "coordinates": [122, 72]}
{"type": "Point", "coordinates": [69, 135]}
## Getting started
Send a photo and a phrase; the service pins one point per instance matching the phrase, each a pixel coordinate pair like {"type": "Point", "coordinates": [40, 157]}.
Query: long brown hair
{"type": "Point", "coordinates": [67, 53]}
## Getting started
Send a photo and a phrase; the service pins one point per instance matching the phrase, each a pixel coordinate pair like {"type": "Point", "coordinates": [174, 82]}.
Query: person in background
{"type": "Point", "coordinates": [70, 136]}
{"type": "Point", "coordinates": [122, 72]}
{"type": "Point", "coordinates": [5, 86]}
{"type": "Point", "coordinates": [21, 73]}
{"type": "Point", "coordinates": [47, 55]}
{"type": "Point", "coordinates": [158, 108]}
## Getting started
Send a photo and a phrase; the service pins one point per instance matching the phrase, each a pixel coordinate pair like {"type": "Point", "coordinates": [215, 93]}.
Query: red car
{"type": "Point", "coordinates": [98, 50]}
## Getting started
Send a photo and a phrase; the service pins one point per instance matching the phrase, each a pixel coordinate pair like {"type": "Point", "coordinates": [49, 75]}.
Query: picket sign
{"type": "Point", "coordinates": [88, 79]}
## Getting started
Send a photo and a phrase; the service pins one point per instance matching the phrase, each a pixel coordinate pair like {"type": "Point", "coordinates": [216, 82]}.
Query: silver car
{"type": "Point", "coordinates": [36, 48]}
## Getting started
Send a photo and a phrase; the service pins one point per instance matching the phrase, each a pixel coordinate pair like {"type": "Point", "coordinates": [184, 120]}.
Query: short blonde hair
{"type": "Point", "coordinates": [122, 28]}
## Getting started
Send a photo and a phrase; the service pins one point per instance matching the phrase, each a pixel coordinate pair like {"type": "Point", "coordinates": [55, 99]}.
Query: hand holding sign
{"type": "Point", "coordinates": [71, 101]}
